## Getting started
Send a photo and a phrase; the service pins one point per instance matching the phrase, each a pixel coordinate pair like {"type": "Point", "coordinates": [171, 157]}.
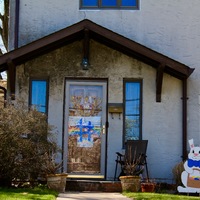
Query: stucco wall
{"type": "Point", "coordinates": [161, 121]}
{"type": "Point", "coordinates": [169, 27]}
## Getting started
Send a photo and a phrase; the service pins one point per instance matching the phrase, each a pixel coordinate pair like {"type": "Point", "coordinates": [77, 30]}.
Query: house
{"type": "Point", "coordinates": [105, 72]}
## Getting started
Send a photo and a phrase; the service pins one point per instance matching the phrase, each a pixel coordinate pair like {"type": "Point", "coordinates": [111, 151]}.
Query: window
{"type": "Point", "coordinates": [132, 110]}
{"type": "Point", "coordinates": [38, 95]}
{"type": "Point", "coordinates": [109, 4]}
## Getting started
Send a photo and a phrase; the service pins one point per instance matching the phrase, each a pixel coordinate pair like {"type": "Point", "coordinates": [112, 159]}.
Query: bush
{"type": "Point", "coordinates": [25, 137]}
{"type": "Point", "coordinates": [177, 171]}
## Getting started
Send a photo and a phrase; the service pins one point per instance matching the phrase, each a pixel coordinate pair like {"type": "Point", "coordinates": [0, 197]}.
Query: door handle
{"type": "Point", "coordinates": [104, 129]}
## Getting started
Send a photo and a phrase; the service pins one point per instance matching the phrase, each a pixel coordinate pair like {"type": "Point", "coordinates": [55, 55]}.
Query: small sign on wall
{"type": "Point", "coordinates": [190, 177]}
{"type": "Point", "coordinates": [114, 108]}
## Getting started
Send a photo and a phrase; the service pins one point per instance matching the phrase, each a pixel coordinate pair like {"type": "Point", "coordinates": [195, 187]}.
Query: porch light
{"type": "Point", "coordinates": [85, 64]}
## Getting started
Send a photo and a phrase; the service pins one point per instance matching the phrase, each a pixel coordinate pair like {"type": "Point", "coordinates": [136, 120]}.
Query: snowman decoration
{"type": "Point", "coordinates": [191, 176]}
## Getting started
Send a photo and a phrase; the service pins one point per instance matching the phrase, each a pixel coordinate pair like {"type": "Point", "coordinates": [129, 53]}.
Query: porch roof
{"type": "Point", "coordinates": [102, 35]}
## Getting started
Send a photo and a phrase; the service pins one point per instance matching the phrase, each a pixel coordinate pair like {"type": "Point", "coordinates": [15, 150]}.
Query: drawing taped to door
{"type": "Point", "coordinates": [86, 129]}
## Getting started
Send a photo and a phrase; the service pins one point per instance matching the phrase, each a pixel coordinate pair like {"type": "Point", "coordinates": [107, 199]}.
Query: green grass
{"type": "Point", "coordinates": [156, 196]}
{"type": "Point", "coordinates": [39, 193]}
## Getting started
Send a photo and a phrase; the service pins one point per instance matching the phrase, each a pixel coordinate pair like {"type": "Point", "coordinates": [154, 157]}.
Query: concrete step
{"type": "Point", "coordinates": [92, 185]}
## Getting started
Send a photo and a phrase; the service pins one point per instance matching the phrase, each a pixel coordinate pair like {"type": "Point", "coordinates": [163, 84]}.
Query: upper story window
{"type": "Point", "coordinates": [109, 4]}
{"type": "Point", "coordinates": [133, 109]}
{"type": "Point", "coordinates": [38, 95]}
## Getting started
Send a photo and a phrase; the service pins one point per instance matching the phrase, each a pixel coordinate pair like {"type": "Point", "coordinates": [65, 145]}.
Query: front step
{"type": "Point", "coordinates": [89, 185]}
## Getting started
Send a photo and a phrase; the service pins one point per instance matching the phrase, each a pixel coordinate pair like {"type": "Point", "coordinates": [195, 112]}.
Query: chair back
{"type": "Point", "coordinates": [135, 149]}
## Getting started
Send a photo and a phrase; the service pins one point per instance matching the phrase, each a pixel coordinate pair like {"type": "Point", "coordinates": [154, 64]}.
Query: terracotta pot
{"type": "Point", "coordinates": [148, 187]}
{"type": "Point", "coordinates": [130, 183]}
{"type": "Point", "coordinates": [57, 182]}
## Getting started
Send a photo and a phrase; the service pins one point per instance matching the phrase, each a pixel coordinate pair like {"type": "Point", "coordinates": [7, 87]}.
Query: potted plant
{"type": "Point", "coordinates": [55, 180]}
{"type": "Point", "coordinates": [148, 186]}
{"type": "Point", "coordinates": [131, 179]}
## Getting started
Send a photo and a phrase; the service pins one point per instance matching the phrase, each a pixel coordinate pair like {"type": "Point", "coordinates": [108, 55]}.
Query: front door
{"type": "Point", "coordinates": [85, 132]}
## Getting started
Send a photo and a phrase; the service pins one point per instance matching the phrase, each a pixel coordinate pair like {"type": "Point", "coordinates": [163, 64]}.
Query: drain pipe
{"type": "Point", "coordinates": [16, 41]}
{"type": "Point", "coordinates": [184, 120]}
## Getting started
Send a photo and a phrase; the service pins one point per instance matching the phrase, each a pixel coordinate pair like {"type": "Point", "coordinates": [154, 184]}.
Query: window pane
{"type": "Point", "coordinates": [132, 110]}
{"type": "Point", "coordinates": [132, 107]}
{"type": "Point", "coordinates": [109, 2]}
{"type": "Point", "coordinates": [129, 2]}
{"type": "Point", "coordinates": [132, 91]}
{"type": "Point", "coordinates": [38, 95]}
{"type": "Point", "coordinates": [89, 2]}
{"type": "Point", "coordinates": [132, 98]}
{"type": "Point", "coordinates": [132, 128]}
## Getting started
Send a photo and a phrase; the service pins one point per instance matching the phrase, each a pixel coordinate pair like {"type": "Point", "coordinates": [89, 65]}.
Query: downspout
{"type": "Point", "coordinates": [16, 41]}
{"type": "Point", "coordinates": [184, 120]}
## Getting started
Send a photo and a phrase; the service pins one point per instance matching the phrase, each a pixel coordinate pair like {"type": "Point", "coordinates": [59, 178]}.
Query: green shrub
{"type": "Point", "coordinates": [25, 137]}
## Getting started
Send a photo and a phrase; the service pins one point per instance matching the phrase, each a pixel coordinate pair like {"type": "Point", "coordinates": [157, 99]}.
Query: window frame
{"type": "Point", "coordinates": [47, 92]}
{"type": "Point", "coordinates": [118, 7]}
{"type": "Point", "coordinates": [140, 81]}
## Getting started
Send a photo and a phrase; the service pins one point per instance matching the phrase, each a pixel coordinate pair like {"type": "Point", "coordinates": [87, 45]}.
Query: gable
{"type": "Point", "coordinates": [87, 30]}
{"type": "Point", "coordinates": [102, 35]}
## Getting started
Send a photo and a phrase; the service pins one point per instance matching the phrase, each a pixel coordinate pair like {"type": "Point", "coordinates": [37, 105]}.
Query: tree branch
{"type": "Point", "coordinates": [1, 31]}
{"type": "Point", "coordinates": [1, 17]}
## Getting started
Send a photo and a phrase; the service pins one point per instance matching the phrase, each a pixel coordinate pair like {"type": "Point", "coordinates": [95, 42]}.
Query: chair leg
{"type": "Point", "coordinates": [116, 166]}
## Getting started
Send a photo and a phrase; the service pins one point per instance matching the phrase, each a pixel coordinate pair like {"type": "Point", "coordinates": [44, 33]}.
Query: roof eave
{"type": "Point", "coordinates": [102, 35]}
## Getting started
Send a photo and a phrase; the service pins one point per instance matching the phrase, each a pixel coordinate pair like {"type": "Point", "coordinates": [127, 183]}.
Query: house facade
{"type": "Point", "coordinates": [105, 73]}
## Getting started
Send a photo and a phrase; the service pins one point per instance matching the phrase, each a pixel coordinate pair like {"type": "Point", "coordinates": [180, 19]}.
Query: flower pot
{"type": "Point", "coordinates": [148, 187]}
{"type": "Point", "coordinates": [57, 182]}
{"type": "Point", "coordinates": [130, 183]}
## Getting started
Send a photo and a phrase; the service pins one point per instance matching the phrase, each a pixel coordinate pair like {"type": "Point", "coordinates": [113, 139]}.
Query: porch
{"type": "Point", "coordinates": [111, 186]}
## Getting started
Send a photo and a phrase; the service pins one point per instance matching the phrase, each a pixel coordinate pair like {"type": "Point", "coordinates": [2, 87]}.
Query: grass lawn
{"type": "Point", "coordinates": [156, 196]}
{"type": "Point", "coordinates": [27, 193]}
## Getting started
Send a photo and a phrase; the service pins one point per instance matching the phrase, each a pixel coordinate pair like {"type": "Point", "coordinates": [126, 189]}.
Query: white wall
{"type": "Point", "coordinates": [169, 27]}
{"type": "Point", "coordinates": [161, 121]}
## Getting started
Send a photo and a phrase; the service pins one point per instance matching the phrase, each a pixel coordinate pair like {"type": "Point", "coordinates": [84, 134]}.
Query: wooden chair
{"type": "Point", "coordinates": [133, 150]}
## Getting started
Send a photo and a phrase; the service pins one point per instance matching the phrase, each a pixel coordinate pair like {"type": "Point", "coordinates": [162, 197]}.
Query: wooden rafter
{"type": "Point", "coordinates": [86, 41]}
{"type": "Point", "coordinates": [12, 77]}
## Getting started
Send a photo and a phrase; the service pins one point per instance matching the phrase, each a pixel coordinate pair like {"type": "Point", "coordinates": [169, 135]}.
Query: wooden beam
{"type": "Point", "coordinates": [12, 78]}
{"type": "Point", "coordinates": [86, 44]}
{"type": "Point", "coordinates": [159, 81]}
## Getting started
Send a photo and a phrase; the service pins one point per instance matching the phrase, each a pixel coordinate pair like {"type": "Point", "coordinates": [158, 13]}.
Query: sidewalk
{"type": "Point", "coordinates": [91, 196]}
